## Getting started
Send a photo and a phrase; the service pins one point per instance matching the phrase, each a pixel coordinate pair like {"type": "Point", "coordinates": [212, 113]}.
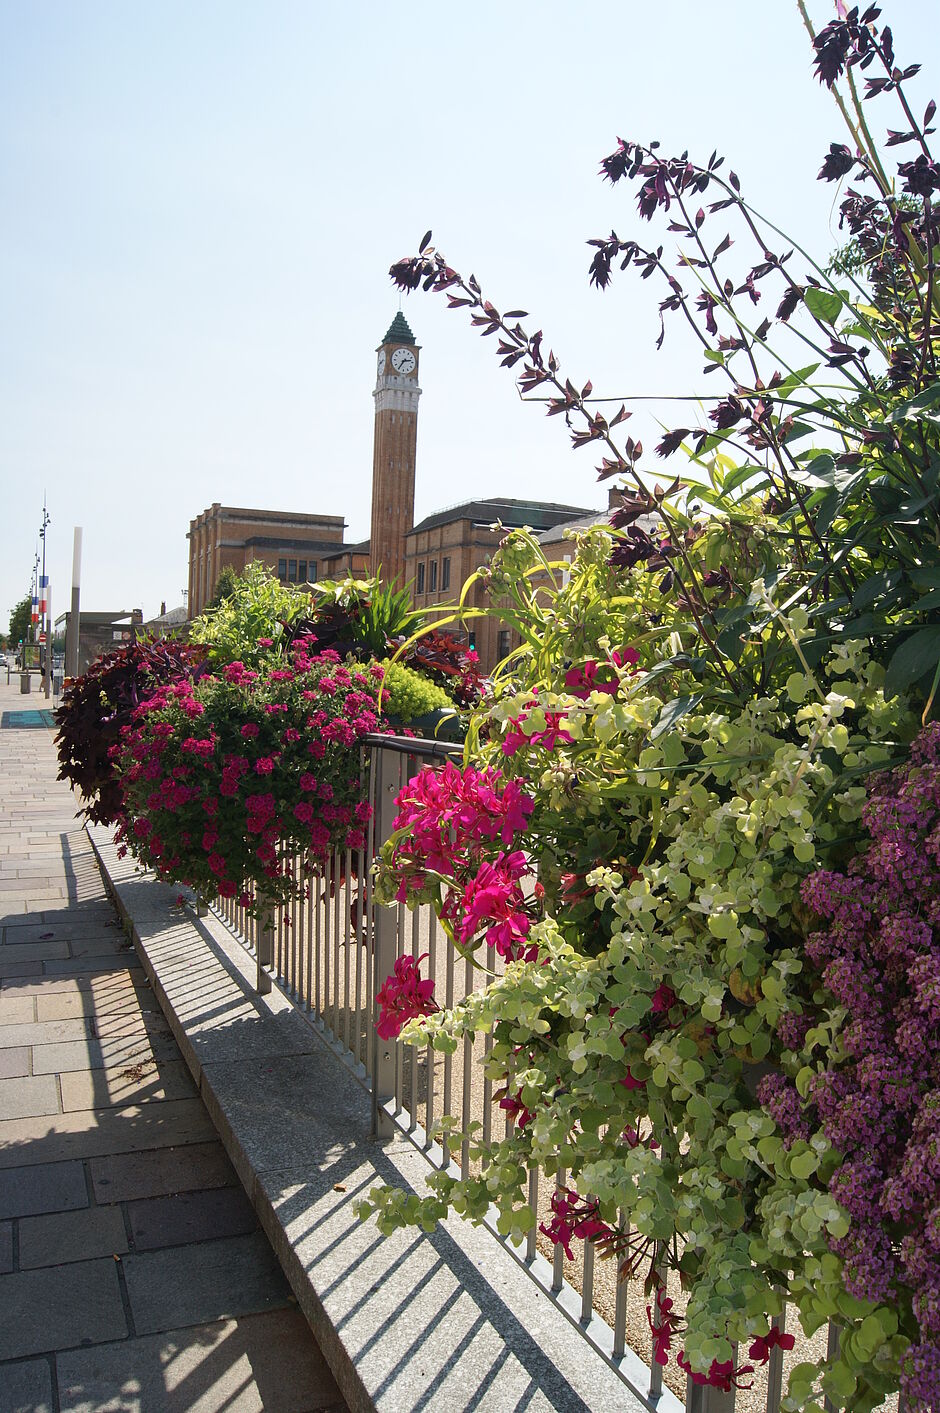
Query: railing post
{"type": "Point", "coordinates": [265, 950]}
{"type": "Point", "coordinates": [833, 1341]}
{"type": "Point", "coordinates": [701, 1398]}
{"type": "Point", "coordinates": [385, 947]}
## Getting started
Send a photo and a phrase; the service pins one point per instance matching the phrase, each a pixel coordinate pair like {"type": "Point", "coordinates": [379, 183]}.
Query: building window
{"type": "Point", "coordinates": [301, 571]}
{"type": "Point", "coordinates": [445, 573]}
{"type": "Point", "coordinates": [433, 584]}
{"type": "Point", "coordinates": [421, 578]}
{"type": "Point", "coordinates": [292, 571]}
{"type": "Point", "coordinates": [282, 569]}
{"type": "Point", "coordinates": [502, 643]}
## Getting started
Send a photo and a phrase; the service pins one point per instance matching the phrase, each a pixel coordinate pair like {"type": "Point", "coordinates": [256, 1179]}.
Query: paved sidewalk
{"type": "Point", "coordinates": [133, 1275]}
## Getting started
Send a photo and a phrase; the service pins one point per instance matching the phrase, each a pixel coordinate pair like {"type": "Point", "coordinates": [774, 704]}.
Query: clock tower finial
{"type": "Point", "coordinates": [393, 456]}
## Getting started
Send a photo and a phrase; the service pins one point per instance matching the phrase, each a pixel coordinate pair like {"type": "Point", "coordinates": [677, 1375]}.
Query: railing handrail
{"type": "Point", "coordinates": [413, 745]}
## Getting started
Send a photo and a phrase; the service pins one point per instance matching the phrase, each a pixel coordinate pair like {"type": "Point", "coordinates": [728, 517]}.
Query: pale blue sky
{"type": "Point", "coordinates": [199, 205]}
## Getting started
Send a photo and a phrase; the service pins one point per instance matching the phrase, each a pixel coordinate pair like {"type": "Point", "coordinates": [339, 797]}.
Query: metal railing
{"type": "Point", "coordinates": [330, 952]}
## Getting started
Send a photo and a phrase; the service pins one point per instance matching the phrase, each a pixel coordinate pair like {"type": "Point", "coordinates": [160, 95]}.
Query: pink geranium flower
{"type": "Point", "coordinates": [404, 994]}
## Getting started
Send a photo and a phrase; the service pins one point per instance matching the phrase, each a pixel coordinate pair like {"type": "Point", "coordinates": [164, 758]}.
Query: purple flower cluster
{"type": "Point", "coordinates": [878, 1103]}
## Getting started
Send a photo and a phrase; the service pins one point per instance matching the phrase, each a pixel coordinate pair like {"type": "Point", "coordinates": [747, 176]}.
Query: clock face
{"type": "Point", "coordinates": [403, 360]}
{"type": "Point", "coordinates": [381, 368]}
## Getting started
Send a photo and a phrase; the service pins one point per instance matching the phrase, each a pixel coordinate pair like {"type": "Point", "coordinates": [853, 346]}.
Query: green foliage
{"type": "Point", "coordinates": [249, 624]}
{"type": "Point", "coordinates": [366, 614]}
{"type": "Point", "coordinates": [19, 621]}
{"type": "Point", "coordinates": [687, 824]}
{"type": "Point", "coordinates": [406, 694]}
{"type": "Point", "coordinates": [225, 586]}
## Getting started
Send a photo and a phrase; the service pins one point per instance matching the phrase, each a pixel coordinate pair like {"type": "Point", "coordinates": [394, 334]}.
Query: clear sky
{"type": "Point", "coordinates": [199, 204]}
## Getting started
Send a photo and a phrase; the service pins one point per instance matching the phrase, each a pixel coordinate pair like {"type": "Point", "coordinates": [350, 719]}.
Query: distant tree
{"type": "Point", "coordinates": [19, 621]}
{"type": "Point", "coordinates": [225, 586]}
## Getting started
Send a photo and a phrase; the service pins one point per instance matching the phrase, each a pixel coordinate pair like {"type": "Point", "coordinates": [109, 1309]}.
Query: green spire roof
{"type": "Point", "coordinates": [399, 332]}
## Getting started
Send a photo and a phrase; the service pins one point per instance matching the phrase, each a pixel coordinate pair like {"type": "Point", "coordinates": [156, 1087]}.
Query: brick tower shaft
{"type": "Point", "coordinates": [394, 448]}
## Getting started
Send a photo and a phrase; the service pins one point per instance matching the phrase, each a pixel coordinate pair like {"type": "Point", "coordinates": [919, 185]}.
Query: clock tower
{"type": "Point", "coordinates": [393, 457]}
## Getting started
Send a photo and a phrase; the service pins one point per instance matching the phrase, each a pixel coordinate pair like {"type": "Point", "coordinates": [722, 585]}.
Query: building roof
{"type": "Point", "coordinates": [361, 547]}
{"type": "Point", "coordinates": [600, 517]}
{"type": "Point", "coordinates": [95, 619]}
{"type": "Point", "coordinates": [399, 332]}
{"type": "Point", "coordinates": [537, 514]}
{"type": "Point", "coordinates": [288, 542]}
{"type": "Point", "coordinates": [584, 522]}
{"type": "Point", "coordinates": [264, 517]}
{"type": "Point", "coordinates": [171, 619]}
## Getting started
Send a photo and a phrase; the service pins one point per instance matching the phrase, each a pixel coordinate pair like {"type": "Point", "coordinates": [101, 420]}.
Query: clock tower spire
{"type": "Point", "coordinates": [393, 456]}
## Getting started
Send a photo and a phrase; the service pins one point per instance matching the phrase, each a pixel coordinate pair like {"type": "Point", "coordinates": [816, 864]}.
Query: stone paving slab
{"type": "Point", "coordinates": [124, 1177]}
{"type": "Point", "coordinates": [45, 1032]}
{"type": "Point", "coordinates": [31, 1096]}
{"type": "Point", "coordinates": [128, 1085]}
{"type": "Point", "coordinates": [112, 985]}
{"type": "Point", "coordinates": [42, 1187]}
{"type": "Point", "coordinates": [97, 966]}
{"type": "Point", "coordinates": [235, 1275]}
{"type": "Point", "coordinates": [27, 1387]}
{"type": "Point", "coordinates": [64, 1005]}
{"type": "Point", "coordinates": [21, 966]}
{"type": "Point", "coordinates": [79, 1303]}
{"type": "Point", "coordinates": [71, 1236]}
{"type": "Point", "coordinates": [67, 930]}
{"type": "Point", "coordinates": [139, 1126]}
{"type": "Point", "coordinates": [34, 952]}
{"type": "Point", "coordinates": [260, 1364]}
{"type": "Point", "coordinates": [14, 1062]}
{"type": "Point", "coordinates": [17, 1008]}
{"type": "Point", "coordinates": [190, 1216]}
{"type": "Point", "coordinates": [112, 1052]}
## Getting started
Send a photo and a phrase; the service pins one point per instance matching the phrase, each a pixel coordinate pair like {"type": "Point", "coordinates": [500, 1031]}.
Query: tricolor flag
{"type": "Point", "coordinates": [35, 612]}
{"type": "Point", "coordinates": [43, 594]}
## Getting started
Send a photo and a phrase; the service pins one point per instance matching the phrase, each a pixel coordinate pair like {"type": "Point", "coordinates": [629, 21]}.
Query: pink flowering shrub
{"type": "Point", "coordinates": [223, 779]}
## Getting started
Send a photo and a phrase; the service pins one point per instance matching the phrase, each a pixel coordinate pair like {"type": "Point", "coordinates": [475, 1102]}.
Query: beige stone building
{"type": "Point", "coordinates": [445, 548]}
{"type": "Point", "coordinates": [290, 544]}
{"type": "Point", "coordinates": [435, 557]}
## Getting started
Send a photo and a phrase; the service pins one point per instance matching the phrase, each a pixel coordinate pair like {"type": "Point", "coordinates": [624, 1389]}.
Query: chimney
{"type": "Point", "coordinates": [162, 607]}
